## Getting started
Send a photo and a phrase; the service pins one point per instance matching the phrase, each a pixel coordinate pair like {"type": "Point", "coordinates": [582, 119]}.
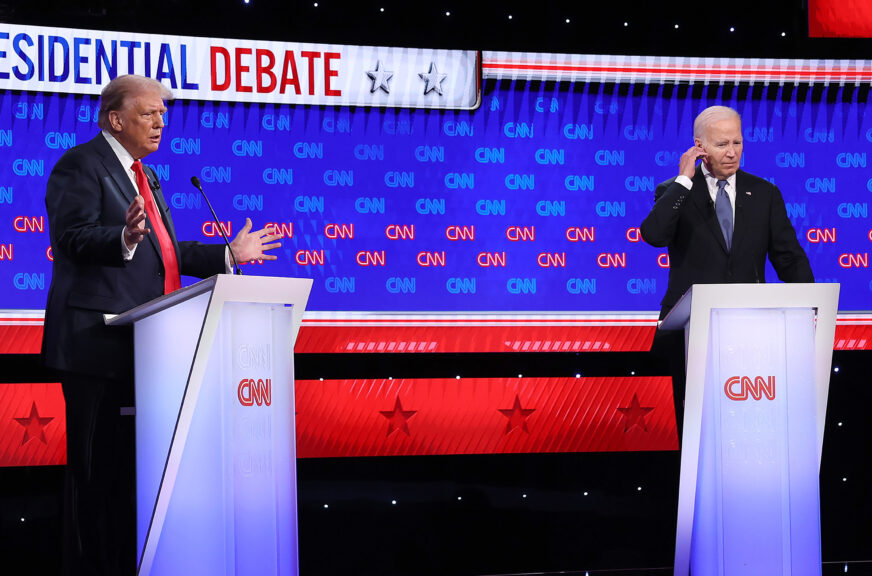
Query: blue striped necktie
{"type": "Point", "coordinates": [724, 211]}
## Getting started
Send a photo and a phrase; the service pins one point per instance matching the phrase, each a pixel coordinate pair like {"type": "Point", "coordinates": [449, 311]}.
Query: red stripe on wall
{"type": "Point", "coordinates": [24, 338]}
{"type": "Point", "coordinates": [418, 417]}
{"type": "Point", "coordinates": [32, 425]}
{"type": "Point", "coordinates": [412, 417]}
{"type": "Point", "coordinates": [433, 337]}
{"type": "Point", "coordinates": [508, 338]}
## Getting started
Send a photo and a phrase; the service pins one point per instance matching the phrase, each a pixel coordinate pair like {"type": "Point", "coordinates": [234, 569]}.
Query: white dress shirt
{"type": "Point", "coordinates": [712, 182]}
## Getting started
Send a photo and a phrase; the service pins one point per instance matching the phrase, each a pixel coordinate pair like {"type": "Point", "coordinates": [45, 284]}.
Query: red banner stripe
{"type": "Point", "coordinates": [404, 339]}
{"type": "Point", "coordinates": [406, 417]}
{"type": "Point", "coordinates": [21, 338]}
{"type": "Point", "coordinates": [32, 425]}
{"type": "Point", "coordinates": [620, 336]}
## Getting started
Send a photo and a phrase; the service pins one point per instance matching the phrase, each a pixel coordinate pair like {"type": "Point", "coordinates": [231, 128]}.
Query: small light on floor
{"type": "Point", "coordinates": [460, 497]}
{"type": "Point", "coordinates": [315, 4]}
{"type": "Point", "coordinates": [626, 24]}
{"type": "Point", "coordinates": [676, 26]}
{"type": "Point", "coordinates": [844, 479]}
{"type": "Point", "coordinates": [783, 34]}
{"type": "Point", "coordinates": [22, 518]}
{"type": "Point", "coordinates": [586, 493]}
{"type": "Point", "coordinates": [523, 495]}
{"type": "Point", "coordinates": [567, 20]}
{"type": "Point", "coordinates": [394, 502]}
{"type": "Point", "coordinates": [381, 9]}
{"type": "Point", "coordinates": [326, 505]}
{"type": "Point", "coordinates": [457, 377]}
{"type": "Point", "coordinates": [390, 377]}
{"type": "Point", "coordinates": [510, 16]}
{"type": "Point", "coordinates": [836, 369]}
{"type": "Point", "coordinates": [578, 374]}
{"type": "Point", "coordinates": [638, 488]}
{"type": "Point", "coordinates": [520, 375]}
{"type": "Point", "coordinates": [321, 379]}
{"type": "Point", "coordinates": [448, 13]}
{"type": "Point", "coordinates": [632, 372]}
{"type": "Point", "coordinates": [839, 424]}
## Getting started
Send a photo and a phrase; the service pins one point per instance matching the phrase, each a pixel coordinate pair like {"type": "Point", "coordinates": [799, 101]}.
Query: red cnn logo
{"type": "Point", "coordinates": [738, 389]}
{"type": "Point", "coordinates": [251, 392]}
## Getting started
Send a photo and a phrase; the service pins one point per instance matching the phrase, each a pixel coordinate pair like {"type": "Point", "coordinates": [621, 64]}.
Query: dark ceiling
{"type": "Point", "coordinates": [761, 28]}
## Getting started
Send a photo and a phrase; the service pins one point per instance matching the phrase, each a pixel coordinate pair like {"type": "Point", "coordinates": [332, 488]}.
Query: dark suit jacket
{"type": "Point", "coordinates": [685, 222]}
{"type": "Point", "coordinates": [86, 200]}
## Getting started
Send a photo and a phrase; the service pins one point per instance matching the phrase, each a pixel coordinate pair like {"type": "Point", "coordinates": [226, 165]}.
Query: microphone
{"type": "Point", "coordinates": [196, 182]}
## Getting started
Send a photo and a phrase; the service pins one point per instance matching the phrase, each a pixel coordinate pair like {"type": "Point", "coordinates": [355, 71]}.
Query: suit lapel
{"type": "Point", "coordinates": [122, 181]}
{"type": "Point", "coordinates": [114, 168]}
{"type": "Point", "coordinates": [703, 201]}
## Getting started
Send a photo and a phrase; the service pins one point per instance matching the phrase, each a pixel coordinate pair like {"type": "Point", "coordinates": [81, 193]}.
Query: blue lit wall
{"type": "Point", "coordinates": [551, 179]}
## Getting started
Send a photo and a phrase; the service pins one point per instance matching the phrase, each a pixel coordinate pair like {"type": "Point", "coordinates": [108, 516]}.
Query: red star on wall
{"type": "Point", "coordinates": [634, 414]}
{"type": "Point", "coordinates": [34, 426]}
{"type": "Point", "coordinates": [398, 418]}
{"type": "Point", "coordinates": [517, 416]}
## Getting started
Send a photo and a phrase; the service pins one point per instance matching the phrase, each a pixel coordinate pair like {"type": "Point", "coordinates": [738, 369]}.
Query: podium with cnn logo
{"type": "Point", "coordinates": [215, 440]}
{"type": "Point", "coordinates": [758, 364]}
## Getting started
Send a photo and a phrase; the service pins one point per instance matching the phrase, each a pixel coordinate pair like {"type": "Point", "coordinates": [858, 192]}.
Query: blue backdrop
{"type": "Point", "coordinates": [530, 203]}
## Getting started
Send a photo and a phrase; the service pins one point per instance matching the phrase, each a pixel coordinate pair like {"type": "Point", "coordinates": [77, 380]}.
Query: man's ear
{"type": "Point", "coordinates": [115, 121]}
{"type": "Point", "coordinates": [697, 142]}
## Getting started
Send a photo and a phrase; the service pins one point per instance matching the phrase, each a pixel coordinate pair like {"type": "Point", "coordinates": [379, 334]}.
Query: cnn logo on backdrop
{"type": "Point", "coordinates": [741, 388]}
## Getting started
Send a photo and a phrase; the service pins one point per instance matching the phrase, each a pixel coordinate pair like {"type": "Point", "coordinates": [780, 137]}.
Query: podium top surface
{"type": "Point", "coordinates": [749, 296]}
{"type": "Point", "coordinates": [264, 289]}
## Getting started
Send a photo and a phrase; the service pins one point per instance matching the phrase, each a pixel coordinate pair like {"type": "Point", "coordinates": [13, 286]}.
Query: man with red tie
{"type": "Point", "coordinates": [114, 248]}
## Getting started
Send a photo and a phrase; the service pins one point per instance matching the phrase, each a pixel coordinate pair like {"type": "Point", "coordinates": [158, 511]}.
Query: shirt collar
{"type": "Point", "coordinates": [121, 152]}
{"type": "Point", "coordinates": [731, 181]}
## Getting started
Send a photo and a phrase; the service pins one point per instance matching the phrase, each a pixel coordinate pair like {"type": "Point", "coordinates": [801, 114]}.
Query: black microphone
{"type": "Point", "coordinates": [196, 182]}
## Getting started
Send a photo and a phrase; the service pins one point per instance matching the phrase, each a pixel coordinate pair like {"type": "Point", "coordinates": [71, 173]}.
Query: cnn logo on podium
{"type": "Point", "coordinates": [740, 388]}
{"type": "Point", "coordinates": [251, 392]}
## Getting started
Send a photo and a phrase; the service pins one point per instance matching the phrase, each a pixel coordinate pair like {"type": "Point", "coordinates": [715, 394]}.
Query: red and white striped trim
{"type": "Point", "coordinates": [445, 319]}
{"type": "Point", "coordinates": [359, 318]}
{"type": "Point", "coordinates": [606, 68]}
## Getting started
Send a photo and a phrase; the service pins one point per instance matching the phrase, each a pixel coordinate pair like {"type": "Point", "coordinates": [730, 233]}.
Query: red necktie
{"type": "Point", "coordinates": [168, 253]}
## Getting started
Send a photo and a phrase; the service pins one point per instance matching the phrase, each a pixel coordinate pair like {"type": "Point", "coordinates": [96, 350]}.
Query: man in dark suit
{"type": "Point", "coordinates": [114, 248]}
{"type": "Point", "coordinates": [718, 222]}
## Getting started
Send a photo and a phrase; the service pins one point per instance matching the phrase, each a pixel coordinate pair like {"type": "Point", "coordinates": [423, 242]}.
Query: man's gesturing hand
{"type": "Point", "coordinates": [248, 246]}
{"type": "Point", "coordinates": [687, 164]}
{"type": "Point", "coordinates": [135, 230]}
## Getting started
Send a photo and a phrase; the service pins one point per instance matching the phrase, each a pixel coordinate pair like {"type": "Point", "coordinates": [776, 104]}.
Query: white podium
{"type": "Point", "coordinates": [215, 444]}
{"type": "Point", "coordinates": [758, 364]}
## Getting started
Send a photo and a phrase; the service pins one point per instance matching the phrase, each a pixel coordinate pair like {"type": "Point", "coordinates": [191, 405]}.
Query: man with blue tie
{"type": "Point", "coordinates": [719, 222]}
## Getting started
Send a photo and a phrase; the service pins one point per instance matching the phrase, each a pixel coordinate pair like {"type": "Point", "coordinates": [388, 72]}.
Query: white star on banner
{"type": "Point", "coordinates": [433, 79]}
{"type": "Point", "coordinates": [380, 78]}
